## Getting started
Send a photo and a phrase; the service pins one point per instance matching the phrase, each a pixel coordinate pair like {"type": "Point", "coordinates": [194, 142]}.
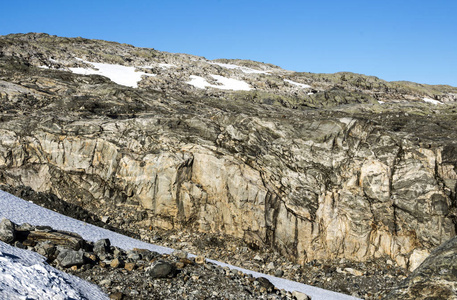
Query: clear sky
{"type": "Point", "coordinates": [393, 40]}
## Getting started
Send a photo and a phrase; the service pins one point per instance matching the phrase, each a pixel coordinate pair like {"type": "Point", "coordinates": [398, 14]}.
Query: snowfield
{"type": "Point", "coordinates": [48, 281]}
{"type": "Point", "coordinates": [433, 101]}
{"type": "Point", "coordinates": [224, 83]}
{"type": "Point", "coordinates": [119, 74]}
{"type": "Point", "coordinates": [25, 275]}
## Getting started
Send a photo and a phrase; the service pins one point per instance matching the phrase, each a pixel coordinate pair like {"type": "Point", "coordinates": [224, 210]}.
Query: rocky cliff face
{"type": "Point", "coordinates": [356, 180]}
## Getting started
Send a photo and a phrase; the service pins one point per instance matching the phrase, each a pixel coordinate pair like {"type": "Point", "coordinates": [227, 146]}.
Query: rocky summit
{"type": "Point", "coordinates": [340, 170]}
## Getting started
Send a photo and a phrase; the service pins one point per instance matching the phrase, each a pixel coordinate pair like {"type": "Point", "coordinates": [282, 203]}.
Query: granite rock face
{"type": "Point", "coordinates": [435, 278]}
{"type": "Point", "coordinates": [357, 181]}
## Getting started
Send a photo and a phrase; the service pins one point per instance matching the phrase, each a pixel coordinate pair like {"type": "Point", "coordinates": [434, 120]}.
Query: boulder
{"type": "Point", "coordinates": [264, 282]}
{"type": "Point", "coordinates": [59, 238]}
{"type": "Point", "coordinates": [179, 254]}
{"type": "Point", "coordinates": [102, 246]}
{"type": "Point", "coordinates": [68, 258]}
{"type": "Point", "coordinates": [7, 231]}
{"type": "Point", "coordinates": [161, 269]}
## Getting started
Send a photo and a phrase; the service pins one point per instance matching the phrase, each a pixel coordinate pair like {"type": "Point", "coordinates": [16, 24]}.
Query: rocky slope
{"type": "Point", "coordinates": [314, 166]}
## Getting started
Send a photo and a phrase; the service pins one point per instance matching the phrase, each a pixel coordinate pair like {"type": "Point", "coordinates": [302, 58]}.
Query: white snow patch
{"type": "Point", "coordinates": [241, 68]}
{"type": "Point", "coordinates": [433, 101]}
{"type": "Point", "coordinates": [43, 67]}
{"type": "Point", "coordinates": [20, 211]}
{"type": "Point", "coordinates": [225, 83]}
{"type": "Point", "coordinates": [381, 102]}
{"type": "Point", "coordinates": [302, 85]}
{"type": "Point", "coordinates": [119, 74]}
{"type": "Point", "coordinates": [198, 82]}
{"type": "Point", "coordinates": [25, 275]}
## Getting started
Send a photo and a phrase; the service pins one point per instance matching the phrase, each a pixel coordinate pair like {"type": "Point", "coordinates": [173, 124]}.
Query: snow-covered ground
{"type": "Point", "coordinates": [241, 68]}
{"type": "Point", "coordinates": [20, 211]}
{"type": "Point", "coordinates": [433, 101]}
{"type": "Point", "coordinates": [25, 275]}
{"type": "Point", "coordinates": [119, 74]}
{"type": "Point", "coordinates": [224, 83]}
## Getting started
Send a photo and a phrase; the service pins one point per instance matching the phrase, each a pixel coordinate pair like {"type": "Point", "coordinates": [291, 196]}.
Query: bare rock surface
{"type": "Point", "coordinates": [435, 278]}
{"type": "Point", "coordinates": [314, 167]}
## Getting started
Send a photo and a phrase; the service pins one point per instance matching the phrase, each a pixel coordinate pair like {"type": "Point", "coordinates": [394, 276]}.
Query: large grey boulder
{"type": "Point", "coordinates": [68, 258]}
{"type": "Point", "coordinates": [7, 231]}
{"type": "Point", "coordinates": [102, 246]}
{"type": "Point", "coordinates": [161, 269]}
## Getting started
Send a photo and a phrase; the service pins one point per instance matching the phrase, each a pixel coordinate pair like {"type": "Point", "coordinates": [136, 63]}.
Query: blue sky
{"type": "Point", "coordinates": [393, 40]}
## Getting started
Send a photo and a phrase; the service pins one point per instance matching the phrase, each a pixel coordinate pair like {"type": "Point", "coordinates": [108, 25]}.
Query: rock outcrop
{"type": "Point", "coordinates": [356, 181]}
{"type": "Point", "coordinates": [435, 278]}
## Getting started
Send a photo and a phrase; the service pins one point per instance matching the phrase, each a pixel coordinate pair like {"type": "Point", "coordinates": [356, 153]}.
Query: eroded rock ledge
{"type": "Point", "coordinates": [321, 189]}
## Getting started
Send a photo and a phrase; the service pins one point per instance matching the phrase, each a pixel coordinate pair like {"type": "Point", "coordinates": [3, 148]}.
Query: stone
{"type": "Point", "coordinates": [258, 258]}
{"type": "Point", "coordinates": [179, 254]}
{"type": "Point", "coordinates": [186, 261]}
{"type": "Point", "coordinates": [43, 228]}
{"type": "Point", "coordinates": [300, 296]}
{"type": "Point", "coordinates": [130, 266]}
{"type": "Point", "coordinates": [270, 266]}
{"type": "Point", "coordinates": [279, 273]}
{"type": "Point", "coordinates": [134, 255]}
{"type": "Point", "coordinates": [416, 258]}
{"type": "Point", "coordinates": [105, 282]}
{"type": "Point", "coordinates": [161, 269]}
{"type": "Point", "coordinates": [102, 246]}
{"type": "Point", "coordinates": [26, 227]}
{"type": "Point", "coordinates": [117, 263]}
{"type": "Point", "coordinates": [59, 238]}
{"type": "Point", "coordinates": [7, 231]}
{"type": "Point", "coordinates": [265, 283]}
{"type": "Point", "coordinates": [20, 245]}
{"type": "Point", "coordinates": [354, 272]}
{"type": "Point", "coordinates": [116, 296]}
{"type": "Point", "coordinates": [200, 260]}
{"type": "Point", "coordinates": [45, 248]}
{"type": "Point", "coordinates": [68, 258]}
{"type": "Point", "coordinates": [118, 252]}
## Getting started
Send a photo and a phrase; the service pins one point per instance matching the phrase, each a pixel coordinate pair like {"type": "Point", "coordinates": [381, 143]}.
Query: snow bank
{"type": "Point", "coordinates": [122, 75]}
{"type": "Point", "coordinates": [25, 275]}
{"type": "Point", "coordinates": [225, 83]}
{"type": "Point", "coordinates": [20, 211]}
{"type": "Point", "coordinates": [433, 101]}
